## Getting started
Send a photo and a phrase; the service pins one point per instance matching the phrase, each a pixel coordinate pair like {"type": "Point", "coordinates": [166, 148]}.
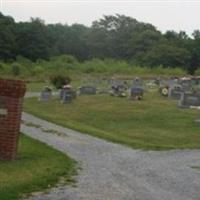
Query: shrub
{"type": "Point", "coordinates": [58, 81]}
{"type": "Point", "coordinates": [197, 72]}
{"type": "Point", "coordinates": [15, 67]}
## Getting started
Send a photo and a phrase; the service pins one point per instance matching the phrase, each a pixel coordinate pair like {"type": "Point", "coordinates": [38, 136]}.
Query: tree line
{"type": "Point", "coordinates": [115, 36]}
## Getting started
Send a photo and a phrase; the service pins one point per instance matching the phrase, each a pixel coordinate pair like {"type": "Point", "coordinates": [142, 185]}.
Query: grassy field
{"type": "Point", "coordinates": [153, 123]}
{"type": "Point", "coordinates": [36, 86]}
{"type": "Point", "coordinates": [38, 167]}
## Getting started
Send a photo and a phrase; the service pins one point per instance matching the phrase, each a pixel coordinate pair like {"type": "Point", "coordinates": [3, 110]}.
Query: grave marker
{"type": "Point", "coordinates": [188, 100]}
{"type": "Point", "coordinates": [175, 91]}
{"type": "Point", "coordinates": [136, 93]}
{"type": "Point", "coordinates": [87, 90]}
{"type": "Point", "coordinates": [46, 94]}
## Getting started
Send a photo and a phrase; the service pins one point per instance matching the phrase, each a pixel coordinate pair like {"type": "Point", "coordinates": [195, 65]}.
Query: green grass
{"type": "Point", "coordinates": [153, 123]}
{"type": "Point", "coordinates": [37, 167]}
{"type": "Point", "coordinates": [36, 86]}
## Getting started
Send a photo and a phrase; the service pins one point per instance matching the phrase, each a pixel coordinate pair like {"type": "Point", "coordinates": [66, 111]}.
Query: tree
{"type": "Point", "coordinates": [7, 38]}
{"type": "Point", "coordinates": [167, 56]}
{"type": "Point", "coordinates": [195, 52]}
{"type": "Point", "coordinates": [32, 39]}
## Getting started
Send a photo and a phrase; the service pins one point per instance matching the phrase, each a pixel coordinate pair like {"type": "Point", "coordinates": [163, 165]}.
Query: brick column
{"type": "Point", "coordinates": [11, 99]}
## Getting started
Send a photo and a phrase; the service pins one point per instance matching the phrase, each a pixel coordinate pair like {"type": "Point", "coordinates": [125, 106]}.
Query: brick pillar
{"type": "Point", "coordinates": [11, 99]}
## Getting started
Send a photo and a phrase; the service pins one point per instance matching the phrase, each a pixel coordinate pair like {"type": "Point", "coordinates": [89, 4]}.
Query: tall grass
{"type": "Point", "coordinates": [68, 65]}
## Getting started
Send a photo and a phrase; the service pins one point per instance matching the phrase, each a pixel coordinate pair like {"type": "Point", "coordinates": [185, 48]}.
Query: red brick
{"type": "Point", "coordinates": [11, 93]}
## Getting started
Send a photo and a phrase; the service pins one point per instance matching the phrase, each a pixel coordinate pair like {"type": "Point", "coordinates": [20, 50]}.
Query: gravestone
{"type": "Point", "coordinates": [189, 99]}
{"type": "Point", "coordinates": [46, 94]}
{"type": "Point", "coordinates": [11, 99]}
{"type": "Point", "coordinates": [136, 93]}
{"type": "Point", "coordinates": [118, 90]}
{"type": "Point", "coordinates": [67, 95]}
{"type": "Point", "coordinates": [186, 84]}
{"type": "Point", "coordinates": [197, 92]}
{"type": "Point", "coordinates": [87, 90]}
{"type": "Point", "coordinates": [195, 80]}
{"type": "Point", "coordinates": [165, 85]}
{"type": "Point", "coordinates": [175, 91]}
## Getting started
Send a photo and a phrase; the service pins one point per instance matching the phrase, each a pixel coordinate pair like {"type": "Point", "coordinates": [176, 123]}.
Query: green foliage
{"type": "Point", "coordinates": [167, 56]}
{"type": "Point", "coordinates": [37, 70]}
{"type": "Point", "coordinates": [15, 69]}
{"type": "Point", "coordinates": [197, 72]}
{"type": "Point", "coordinates": [117, 37]}
{"type": "Point", "coordinates": [59, 81]}
{"type": "Point", "coordinates": [65, 66]}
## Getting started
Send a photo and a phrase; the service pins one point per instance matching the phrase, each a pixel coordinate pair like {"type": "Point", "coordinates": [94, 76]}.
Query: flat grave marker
{"type": "Point", "coordinates": [87, 90]}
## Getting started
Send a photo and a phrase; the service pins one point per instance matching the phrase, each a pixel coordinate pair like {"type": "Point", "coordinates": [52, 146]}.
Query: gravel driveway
{"type": "Point", "coordinates": [114, 172]}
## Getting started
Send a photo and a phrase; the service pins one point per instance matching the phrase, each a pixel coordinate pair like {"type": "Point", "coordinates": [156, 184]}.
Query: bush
{"type": "Point", "coordinates": [15, 69]}
{"type": "Point", "coordinates": [58, 81]}
{"type": "Point", "coordinates": [197, 72]}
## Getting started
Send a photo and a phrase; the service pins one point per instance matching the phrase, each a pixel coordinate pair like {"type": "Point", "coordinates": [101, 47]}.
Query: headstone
{"type": "Point", "coordinates": [186, 84]}
{"type": "Point", "coordinates": [197, 92]}
{"type": "Point", "coordinates": [195, 81]}
{"type": "Point", "coordinates": [188, 100]}
{"type": "Point", "coordinates": [67, 95]}
{"type": "Point", "coordinates": [175, 92]}
{"type": "Point", "coordinates": [118, 90]}
{"type": "Point", "coordinates": [46, 94]}
{"type": "Point", "coordinates": [87, 90]}
{"type": "Point", "coordinates": [136, 93]}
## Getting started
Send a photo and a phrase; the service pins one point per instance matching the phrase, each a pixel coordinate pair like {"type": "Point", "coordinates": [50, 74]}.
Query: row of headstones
{"type": "Point", "coordinates": [118, 87]}
{"type": "Point", "coordinates": [67, 94]}
{"type": "Point", "coordinates": [186, 83]}
{"type": "Point", "coordinates": [183, 91]}
{"type": "Point", "coordinates": [109, 82]}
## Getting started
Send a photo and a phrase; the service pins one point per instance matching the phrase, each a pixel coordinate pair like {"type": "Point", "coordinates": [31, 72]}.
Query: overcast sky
{"type": "Point", "coordinates": [165, 15]}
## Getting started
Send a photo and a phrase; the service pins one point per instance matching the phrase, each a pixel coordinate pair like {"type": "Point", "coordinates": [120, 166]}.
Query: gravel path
{"type": "Point", "coordinates": [114, 172]}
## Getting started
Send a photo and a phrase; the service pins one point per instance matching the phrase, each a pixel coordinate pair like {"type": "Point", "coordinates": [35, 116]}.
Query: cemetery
{"type": "Point", "coordinates": [127, 113]}
{"type": "Point", "coordinates": [142, 119]}
{"type": "Point", "coordinates": [99, 108]}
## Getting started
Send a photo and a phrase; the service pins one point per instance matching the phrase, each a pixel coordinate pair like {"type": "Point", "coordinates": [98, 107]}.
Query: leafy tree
{"type": "Point", "coordinates": [7, 38]}
{"type": "Point", "coordinates": [32, 39]}
{"type": "Point", "coordinates": [167, 56]}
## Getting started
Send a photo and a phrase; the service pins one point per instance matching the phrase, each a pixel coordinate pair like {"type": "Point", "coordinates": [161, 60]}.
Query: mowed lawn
{"type": "Point", "coordinates": [154, 123]}
{"type": "Point", "coordinates": [37, 167]}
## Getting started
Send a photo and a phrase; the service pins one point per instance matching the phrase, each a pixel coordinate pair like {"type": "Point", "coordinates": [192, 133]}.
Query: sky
{"type": "Point", "coordinates": [164, 14]}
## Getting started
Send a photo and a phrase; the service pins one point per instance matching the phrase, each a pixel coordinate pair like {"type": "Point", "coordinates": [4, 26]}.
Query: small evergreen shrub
{"type": "Point", "coordinates": [58, 81]}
